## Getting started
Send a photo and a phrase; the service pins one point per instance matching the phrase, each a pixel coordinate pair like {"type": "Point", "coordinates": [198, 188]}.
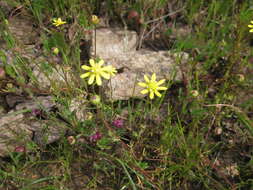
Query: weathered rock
{"type": "Point", "coordinates": [123, 86]}
{"type": "Point", "coordinates": [164, 63]}
{"type": "Point", "coordinates": [28, 53]}
{"type": "Point", "coordinates": [14, 133]}
{"type": "Point", "coordinates": [22, 29]}
{"type": "Point", "coordinates": [114, 42]}
{"type": "Point", "coordinates": [13, 100]}
{"type": "Point", "coordinates": [41, 102]}
{"type": "Point", "coordinates": [117, 48]}
{"type": "Point", "coordinates": [47, 131]}
{"type": "Point", "coordinates": [5, 7]}
{"type": "Point", "coordinates": [46, 77]}
{"type": "Point", "coordinates": [1, 110]}
{"type": "Point", "coordinates": [78, 106]}
{"type": "Point", "coordinates": [44, 73]}
{"type": "Point", "coordinates": [18, 128]}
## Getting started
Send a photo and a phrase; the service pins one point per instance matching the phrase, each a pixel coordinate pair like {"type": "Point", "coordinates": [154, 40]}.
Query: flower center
{"type": "Point", "coordinates": [96, 69]}
{"type": "Point", "coordinates": [152, 86]}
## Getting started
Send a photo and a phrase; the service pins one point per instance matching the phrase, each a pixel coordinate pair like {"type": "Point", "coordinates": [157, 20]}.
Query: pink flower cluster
{"type": "Point", "coordinates": [95, 137]}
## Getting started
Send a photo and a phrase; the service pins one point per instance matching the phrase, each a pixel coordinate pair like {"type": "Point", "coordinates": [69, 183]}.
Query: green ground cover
{"type": "Point", "coordinates": [197, 135]}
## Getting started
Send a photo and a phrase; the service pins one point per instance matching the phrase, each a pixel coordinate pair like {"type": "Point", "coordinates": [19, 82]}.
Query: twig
{"type": "Point", "coordinates": [154, 20]}
{"type": "Point", "coordinates": [164, 16]}
{"type": "Point", "coordinates": [224, 105]}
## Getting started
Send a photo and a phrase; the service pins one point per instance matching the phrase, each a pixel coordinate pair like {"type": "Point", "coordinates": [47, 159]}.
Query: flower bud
{"type": "Point", "coordinates": [20, 149]}
{"type": "Point", "coordinates": [133, 14]}
{"type": "Point", "coordinates": [2, 73]}
{"type": "Point", "coordinates": [241, 77]}
{"type": "Point", "coordinates": [88, 116]}
{"type": "Point", "coordinates": [71, 140]}
{"type": "Point", "coordinates": [95, 99]}
{"type": "Point", "coordinates": [55, 50]}
{"type": "Point", "coordinates": [94, 19]}
{"type": "Point", "coordinates": [6, 21]}
{"type": "Point", "coordinates": [194, 93]}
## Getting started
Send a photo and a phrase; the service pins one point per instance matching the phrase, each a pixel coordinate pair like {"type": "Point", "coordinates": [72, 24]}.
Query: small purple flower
{"type": "Point", "coordinates": [36, 112]}
{"type": "Point", "coordinates": [118, 123]}
{"type": "Point", "coordinates": [20, 149]}
{"type": "Point", "coordinates": [95, 137]}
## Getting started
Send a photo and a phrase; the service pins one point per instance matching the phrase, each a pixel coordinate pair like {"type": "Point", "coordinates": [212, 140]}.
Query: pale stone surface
{"type": "Point", "coordinates": [42, 102]}
{"type": "Point", "coordinates": [5, 7]}
{"type": "Point", "coordinates": [113, 42]}
{"type": "Point", "coordinates": [14, 133]}
{"type": "Point", "coordinates": [45, 78]}
{"type": "Point", "coordinates": [1, 110]}
{"type": "Point", "coordinates": [117, 48]}
{"type": "Point", "coordinates": [78, 106]}
{"type": "Point", "coordinates": [22, 29]}
{"type": "Point", "coordinates": [47, 131]}
{"type": "Point", "coordinates": [20, 102]}
{"type": "Point", "coordinates": [19, 127]}
{"type": "Point", "coordinates": [44, 73]}
{"type": "Point", "coordinates": [123, 86]}
{"type": "Point", "coordinates": [165, 64]}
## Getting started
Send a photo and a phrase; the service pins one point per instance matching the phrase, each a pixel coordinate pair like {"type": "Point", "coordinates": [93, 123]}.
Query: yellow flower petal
{"type": "Point", "coordinates": [250, 26]}
{"type": "Point", "coordinates": [251, 30]}
{"type": "Point", "coordinates": [151, 95]}
{"type": "Point", "coordinates": [161, 88]}
{"type": "Point", "coordinates": [85, 75]}
{"type": "Point", "coordinates": [85, 67]}
{"type": "Point", "coordinates": [110, 70]}
{"type": "Point", "coordinates": [91, 79]}
{"type": "Point", "coordinates": [145, 91]}
{"type": "Point", "coordinates": [94, 19]}
{"type": "Point", "coordinates": [92, 62]}
{"type": "Point", "coordinates": [251, 22]}
{"type": "Point", "coordinates": [105, 75]}
{"type": "Point", "coordinates": [158, 93]}
{"type": "Point", "coordinates": [101, 62]}
{"type": "Point", "coordinates": [142, 84]}
{"type": "Point", "coordinates": [160, 82]}
{"type": "Point", "coordinates": [153, 77]}
{"type": "Point", "coordinates": [98, 80]}
{"type": "Point", "coordinates": [96, 71]}
{"type": "Point", "coordinates": [58, 22]}
{"type": "Point", "coordinates": [146, 78]}
{"type": "Point", "coordinates": [152, 86]}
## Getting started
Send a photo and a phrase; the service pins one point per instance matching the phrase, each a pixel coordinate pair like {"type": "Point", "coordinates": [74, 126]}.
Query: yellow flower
{"type": "Point", "coordinates": [110, 70]}
{"type": "Point", "coordinates": [251, 26]}
{"type": "Point", "coordinates": [240, 77]}
{"type": "Point", "coordinates": [194, 93]}
{"type": "Point", "coordinates": [55, 50]}
{"type": "Point", "coordinates": [95, 99]}
{"type": "Point", "coordinates": [94, 19]}
{"type": "Point", "coordinates": [58, 22]}
{"type": "Point", "coordinates": [152, 86]}
{"type": "Point", "coordinates": [95, 71]}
